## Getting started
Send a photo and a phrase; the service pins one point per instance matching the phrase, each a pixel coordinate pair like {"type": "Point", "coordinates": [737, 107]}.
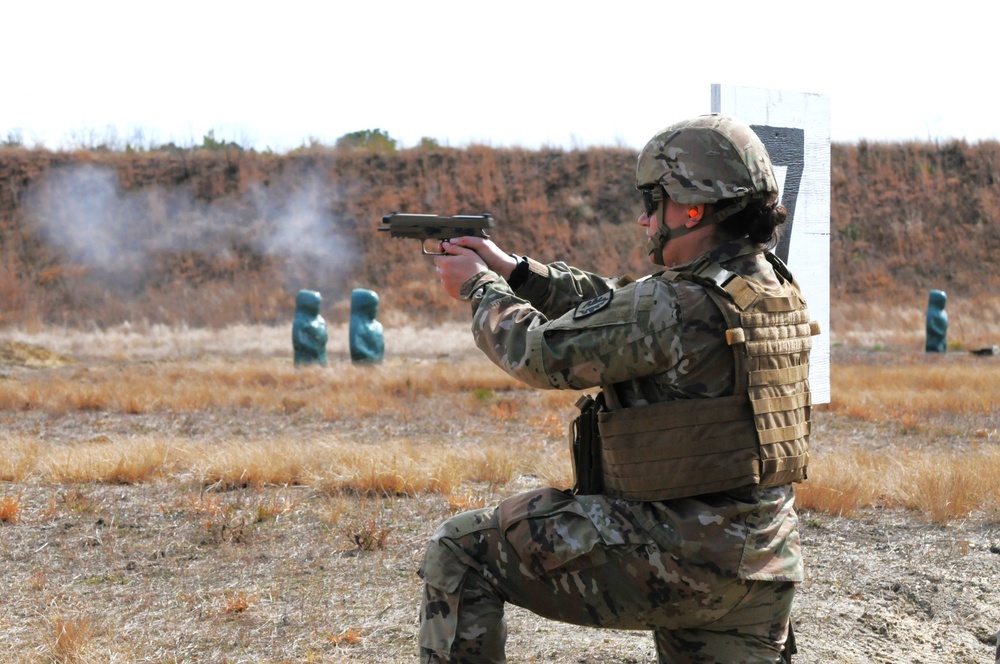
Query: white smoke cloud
{"type": "Point", "coordinates": [83, 211]}
{"type": "Point", "coordinates": [80, 212]}
{"type": "Point", "coordinates": [301, 228]}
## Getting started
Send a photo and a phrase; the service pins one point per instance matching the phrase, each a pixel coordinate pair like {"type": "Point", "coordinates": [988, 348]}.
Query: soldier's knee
{"type": "Point", "coordinates": [450, 552]}
{"type": "Point", "coordinates": [456, 548]}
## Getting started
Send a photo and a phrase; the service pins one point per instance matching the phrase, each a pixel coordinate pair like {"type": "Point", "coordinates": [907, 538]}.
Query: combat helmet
{"type": "Point", "coordinates": [706, 159]}
{"type": "Point", "coordinates": [709, 159]}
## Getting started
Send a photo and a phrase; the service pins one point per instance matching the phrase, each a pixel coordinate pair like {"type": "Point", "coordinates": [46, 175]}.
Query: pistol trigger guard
{"type": "Point", "coordinates": [423, 248]}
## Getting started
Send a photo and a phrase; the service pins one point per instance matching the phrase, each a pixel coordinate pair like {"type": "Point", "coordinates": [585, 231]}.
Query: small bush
{"type": "Point", "coordinates": [10, 509]}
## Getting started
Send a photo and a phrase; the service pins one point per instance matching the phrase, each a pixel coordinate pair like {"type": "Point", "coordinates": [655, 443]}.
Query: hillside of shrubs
{"type": "Point", "coordinates": [217, 235]}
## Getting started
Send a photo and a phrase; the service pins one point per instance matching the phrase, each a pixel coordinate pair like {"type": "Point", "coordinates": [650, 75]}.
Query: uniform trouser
{"type": "Point", "coordinates": [542, 551]}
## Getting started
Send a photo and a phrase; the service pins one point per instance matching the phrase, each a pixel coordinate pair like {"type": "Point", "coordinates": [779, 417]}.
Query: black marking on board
{"type": "Point", "coordinates": [787, 147]}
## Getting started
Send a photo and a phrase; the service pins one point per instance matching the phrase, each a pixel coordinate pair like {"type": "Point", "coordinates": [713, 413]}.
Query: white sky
{"type": "Point", "coordinates": [513, 73]}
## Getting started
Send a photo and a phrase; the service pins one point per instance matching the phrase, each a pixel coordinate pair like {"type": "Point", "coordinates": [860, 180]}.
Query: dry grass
{"type": "Point", "coordinates": [67, 638]}
{"type": "Point", "coordinates": [333, 465]}
{"type": "Point", "coordinates": [238, 602]}
{"type": "Point", "coordinates": [879, 325]}
{"type": "Point", "coordinates": [941, 485]}
{"type": "Point", "coordinates": [444, 420]}
{"type": "Point", "coordinates": [142, 342]}
{"type": "Point", "coordinates": [919, 392]}
{"type": "Point", "coordinates": [272, 385]}
{"type": "Point", "coordinates": [236, 509]}
{"type": "Point", "coordinates": [10, 508]}
{"type": "Point", "coordinates": [164, 572]}
{"type": "Point", "coordinates": [920, 433]}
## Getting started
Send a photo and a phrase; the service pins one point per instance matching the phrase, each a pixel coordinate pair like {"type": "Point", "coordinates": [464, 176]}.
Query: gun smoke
{"type": "Point", "coordinates": [116, 234]}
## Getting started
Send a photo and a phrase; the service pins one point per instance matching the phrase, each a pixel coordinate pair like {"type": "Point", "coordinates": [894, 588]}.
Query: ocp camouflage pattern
{"type": "Point", "coordinates": [671, 567]}
{"type": "Point", "coordinates": [705, 160]}
{"type": "Point", "coordinates": [675, 567]}
{"type": "Point", "coordinates": [657, 340]}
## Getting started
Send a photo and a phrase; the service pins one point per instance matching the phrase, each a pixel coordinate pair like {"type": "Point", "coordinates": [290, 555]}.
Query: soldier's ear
{"type": "Point", "coordinates": [695, 214]}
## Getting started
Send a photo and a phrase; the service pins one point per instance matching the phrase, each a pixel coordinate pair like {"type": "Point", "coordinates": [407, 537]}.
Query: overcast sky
{"type": "Point", "coordinates": [512, 73]}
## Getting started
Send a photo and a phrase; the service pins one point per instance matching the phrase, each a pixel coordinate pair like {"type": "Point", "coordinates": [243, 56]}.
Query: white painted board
{"type": "Point", "coordinates": [795, 128]}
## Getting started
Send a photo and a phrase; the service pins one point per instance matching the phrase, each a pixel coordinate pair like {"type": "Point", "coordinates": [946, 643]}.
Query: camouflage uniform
{"type": "Point", "coordinates": [712, 576]}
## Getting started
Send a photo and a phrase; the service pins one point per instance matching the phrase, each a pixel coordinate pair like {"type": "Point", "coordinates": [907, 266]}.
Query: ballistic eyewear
{"type": "Point", "coordinates": [651, 197]}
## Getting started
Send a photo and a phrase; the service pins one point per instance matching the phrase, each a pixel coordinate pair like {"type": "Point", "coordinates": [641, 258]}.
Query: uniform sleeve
{"type": "Point", "coordinates": [556, 288]}
{"type": "Point", "coordinates": [616, 335]}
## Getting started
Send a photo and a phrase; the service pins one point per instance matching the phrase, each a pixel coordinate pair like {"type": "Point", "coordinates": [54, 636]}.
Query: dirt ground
{"type": "Point", "coordinates": [177, 572]}
{"type": "Point", "coordinates": [171, 572]}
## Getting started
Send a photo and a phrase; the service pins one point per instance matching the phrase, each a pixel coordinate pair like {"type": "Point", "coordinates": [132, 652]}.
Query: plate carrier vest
{"type": "Point", "coordinates": [759, 436]}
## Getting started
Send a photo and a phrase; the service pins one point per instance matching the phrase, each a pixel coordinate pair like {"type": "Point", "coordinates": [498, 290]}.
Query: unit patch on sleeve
{"type": "Point", "coordinates": [594, 305]}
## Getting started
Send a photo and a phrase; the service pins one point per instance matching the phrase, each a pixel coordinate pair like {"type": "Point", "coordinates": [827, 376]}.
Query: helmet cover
{"type": "Point", "coordinates": [705, 160]}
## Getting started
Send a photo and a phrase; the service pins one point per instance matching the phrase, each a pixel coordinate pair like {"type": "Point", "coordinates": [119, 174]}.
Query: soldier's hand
{"type": "Point", "coordinates": [457, 267]}
{"type": "Point", "coordinates": [495, 259]}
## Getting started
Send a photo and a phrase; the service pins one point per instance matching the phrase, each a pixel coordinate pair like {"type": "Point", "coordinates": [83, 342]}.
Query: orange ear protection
{"type": "Point", "coordinates": [692, 212]}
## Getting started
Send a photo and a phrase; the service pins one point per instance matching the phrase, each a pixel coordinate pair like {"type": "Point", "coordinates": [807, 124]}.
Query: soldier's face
{"type": "Point", "coordinates": [675, 216]}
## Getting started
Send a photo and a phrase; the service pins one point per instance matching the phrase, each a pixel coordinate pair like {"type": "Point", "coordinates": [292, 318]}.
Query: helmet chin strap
{"type": "Point", "coordinates": [657, 241]}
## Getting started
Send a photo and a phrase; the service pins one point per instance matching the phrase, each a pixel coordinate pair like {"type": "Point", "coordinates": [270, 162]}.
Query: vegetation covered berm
{"type": "Point", "coordinates": [224, 236]}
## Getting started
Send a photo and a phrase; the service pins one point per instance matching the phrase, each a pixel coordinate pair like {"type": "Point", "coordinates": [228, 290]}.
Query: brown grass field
{"type": "Point", "coordinates": [187, 495]}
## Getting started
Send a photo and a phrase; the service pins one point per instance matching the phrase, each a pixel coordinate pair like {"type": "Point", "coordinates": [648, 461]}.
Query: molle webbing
{"type": "Point", "coordinates": [772, 337]}
{"type": "Point", "coordinates": [757, 436]}
{"type": "Point", "coordinates": [655, 457]}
